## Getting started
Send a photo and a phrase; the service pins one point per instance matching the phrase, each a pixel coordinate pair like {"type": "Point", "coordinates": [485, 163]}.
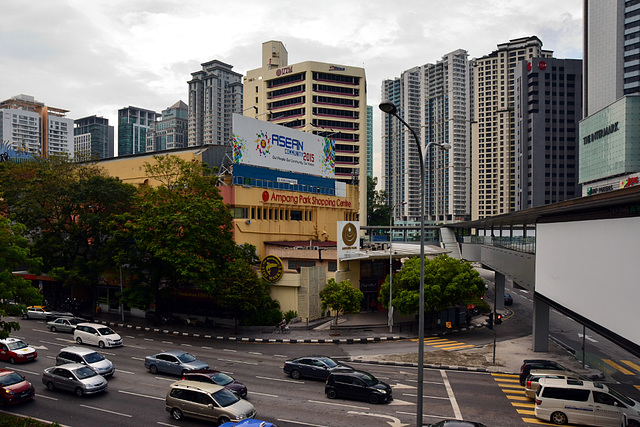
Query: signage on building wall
{"type": "Point", "coordinates": [601, 133]}
{"type": "Point", "coordinates": [336, 68]}
{"type": "Point", "coordinates": [8, 153]}
{"type": "Point", "coordinates": [285, 70]}
{"type": "Point", "coordinates": [629, 182]}
{"type": "Point", "coordinates": [303, 199]}
{"type": "Point", "coordinates": [260, 143]}
{"type": "Point", "coordinates": [271, 268]}
{"type": "Point", "coordinates": [348, 239]}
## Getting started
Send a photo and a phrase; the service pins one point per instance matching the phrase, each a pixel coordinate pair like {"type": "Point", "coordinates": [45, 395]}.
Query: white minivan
{"type": "Point", "coordinates": [563, 401]}
{"type": "Point", "coordinates": [96, 334]}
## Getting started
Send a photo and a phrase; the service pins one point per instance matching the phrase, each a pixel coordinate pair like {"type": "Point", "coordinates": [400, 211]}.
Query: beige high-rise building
{"type": "Point", "coordinates": [326, 99]}
{"type": "Point", "coordinates": [493, 168]}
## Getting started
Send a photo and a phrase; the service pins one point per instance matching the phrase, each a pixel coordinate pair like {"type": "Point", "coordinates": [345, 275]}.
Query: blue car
{"type": "Point", "coordinates": [175, 362]}
{"type": "Point", "coordinates": [249, 422]}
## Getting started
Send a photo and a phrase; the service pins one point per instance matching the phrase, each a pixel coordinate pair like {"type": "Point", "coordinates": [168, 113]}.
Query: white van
{"type": "Point", "coordinates": [96, 334]}
{"type": "Point", "coordinates": [563, 401]}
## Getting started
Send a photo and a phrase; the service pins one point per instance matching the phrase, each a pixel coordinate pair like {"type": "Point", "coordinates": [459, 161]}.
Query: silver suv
{"type": "Point", "coordinates": [88, 357]}
{"type": "Point", "coordinates": [209, 402]}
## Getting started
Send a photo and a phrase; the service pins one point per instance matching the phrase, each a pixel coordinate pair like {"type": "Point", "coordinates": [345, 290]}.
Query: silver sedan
{"type": "Point", "coordinates": [64, 324]}
{"type": "Point", "coordinates": [74, 377]}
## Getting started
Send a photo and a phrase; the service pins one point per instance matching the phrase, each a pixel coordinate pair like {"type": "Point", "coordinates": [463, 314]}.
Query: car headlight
{"type": "Point", "coordinates": [242, 416]}
{"type": "Point", "coordinates": [383, 391]}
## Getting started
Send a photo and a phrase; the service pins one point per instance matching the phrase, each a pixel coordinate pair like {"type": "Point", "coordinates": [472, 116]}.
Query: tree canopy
{"type": "Point", "coordinates": [378, 211]}
{"type": "Point", "coordinates": [341, 297]}
{"type": "Point", "coordinates": [447, 282]}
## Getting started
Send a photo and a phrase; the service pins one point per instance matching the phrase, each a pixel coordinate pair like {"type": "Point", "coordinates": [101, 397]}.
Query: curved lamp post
{"type": "Point", "coordinates": [389, 107]}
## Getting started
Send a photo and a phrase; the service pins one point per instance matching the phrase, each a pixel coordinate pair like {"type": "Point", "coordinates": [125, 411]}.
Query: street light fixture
{"type": "Point", "coordinates": [389, 107]}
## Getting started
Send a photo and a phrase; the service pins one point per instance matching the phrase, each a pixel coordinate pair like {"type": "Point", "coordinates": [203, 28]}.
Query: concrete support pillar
{"type": "Point", "coordinates": [499, 281]}
{"type": "Point", "coordinates": [540, 325]}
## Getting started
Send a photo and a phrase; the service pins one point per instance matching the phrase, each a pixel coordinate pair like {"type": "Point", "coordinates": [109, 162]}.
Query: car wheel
{"type": "Point", "coordinates": [79, 392]}
{"type": "Point", "coordinates": [559, 418]}
{"type": "Point", "coordinates": [50, 386]}
{"type": "Point", "coordinates": [12, 360]}
{"type": "Point", "coordinates": [153, 369]}
{"type": "Point", "coordinates": [223, 420]}
{"type": "Point", "coordinates": [176, 414]}
{"type": "Point", "coordinates": [79, 340]}
{"type": "Point", "coordinates": [295, 374]}
{"type": "Point", "coordinates": [101, 344]}
{"type": "Point", "coordinates": [53, 329]}
{"type": "Point", "coordinates": [184, 372]}
{"type": "Point", "coordinates": [374, 399]}
{"type": "Point", "coordinates": [331, 394]}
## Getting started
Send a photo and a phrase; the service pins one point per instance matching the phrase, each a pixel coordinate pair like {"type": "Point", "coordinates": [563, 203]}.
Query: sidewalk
{"type": "Point", "coordinates": [370, 327]}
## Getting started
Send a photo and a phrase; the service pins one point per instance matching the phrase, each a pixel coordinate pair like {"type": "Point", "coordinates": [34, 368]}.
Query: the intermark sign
{"type": "Point", "coordinates": [600, 133]}
{"type": "Point", "coordinates": [260, 143]}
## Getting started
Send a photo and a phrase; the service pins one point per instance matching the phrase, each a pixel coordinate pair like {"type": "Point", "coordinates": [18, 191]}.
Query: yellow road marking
{"type": "Point", "coordinates": [517, 397]}
{"type": "Point", "coordinates": [633, 365]}
{"type": "Point", "coordinates": [495, 374]}
{"type": "Point", "coordinates": [536, 421]}
{"type": "Point", "coordinates": [526, 412]}
{"type": "Point", "coordinates": [507, 385]}
{"type": "Point", "coordinates": [618, 367]}
{"type": "Point", "coordinates": [457, 347]}
{"type": "Point", "coordinates": [504, 390]}
{"type": "Point", "coordinates": [443, 344]}
{"type": "Point", "coordinates": [508, 381]}
{"type": "Point", "coordinates": [523, 405]}
{"type": "Point", "coordinates": [637, 386]}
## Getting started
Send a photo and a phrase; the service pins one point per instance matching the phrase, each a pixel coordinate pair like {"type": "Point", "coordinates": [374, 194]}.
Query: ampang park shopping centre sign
{"type": "Point", "coordinates": [264, 144]}
{"type": "Point", "coordinates": [303, 199]}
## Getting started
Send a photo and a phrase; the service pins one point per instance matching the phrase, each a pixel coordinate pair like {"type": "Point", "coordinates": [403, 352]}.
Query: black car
{"type": "Point", "coordinates": [357, 385]}
{"type": "Point", "coordinates": [316, 367]}
{"type": "Point", "coordinates": [529, 364]}
{"type": "Point", "coordinates": [456, 423]}
{"type": "Point", "coordinates": [216, 377]}
{"type": "Point", "coordinates": [508, 299]}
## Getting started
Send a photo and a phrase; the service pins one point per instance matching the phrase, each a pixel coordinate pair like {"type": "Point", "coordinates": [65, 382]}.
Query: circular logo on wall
{"type": "Point", "coordinates": [542, 65]}
{"type": "Point", "coordinates": [529, 66]}
{"type": "Point", "coordinates": [271, 268]}
{"type": "Point", "coordinates": [278, 72]}
{"type": "Point", "coordinates": [265, 196]}
{"type": "Point", "coordinates": [349, 234]}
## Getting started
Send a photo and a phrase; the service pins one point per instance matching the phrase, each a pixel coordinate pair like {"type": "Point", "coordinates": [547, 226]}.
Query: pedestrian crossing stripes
{"type": "Point", "coordinates": [510, 385]}
{"type": "Point", "coordinates": [444, 344]}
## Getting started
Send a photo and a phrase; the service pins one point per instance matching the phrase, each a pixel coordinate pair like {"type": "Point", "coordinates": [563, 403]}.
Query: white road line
{"type": "Point", "coordinates": [23, 370]}
{"type": "Point", "coordinates": [136, 346]}
{"type": "Point", "coordinates": [107, 411]}
{"type": "Point", "coordinates": [207, 348]}
{"type": "Point", "coordinates": [148, 339]}
{"type": "Point", "coordinates": [141, 395]}
{"type": "Point", "coordinates": [338, 404]}
{"type": "Point", "coordinates": [138, 358]}
{"type": "Point", "coordinates": [166, 379]}
{"type": "Point", "coordinates": [165, 424]}
{"type": "Point", "coordinates": [40, 396]}
{"type": "Point", "coordinates": [426, 397]}
{"type": "Point", "coordinates": [186, 345]}
{"type": "Point", "coordinates": [238, 361]}
{"type": "Point", "coordinates": [264, 394]}
{"type": "Point", "coordinates": [452, 397]}
{"type": "Point", "coordinates": [229, 350]}
{"type": "Point", "coordinates": [279, 355]}
{"type": "Point", "coordinates": [130, 336]}
{"type": "Point", "coordinates": [124, 372]}
{"type": "Point", "coordinates": [300, 423]}
{"type": "Point", "coordinates": [255, 352]}
{"type": "Point", "coordinates": [280, 379]}
{"type": "Point", "coordinates": [167, 342]}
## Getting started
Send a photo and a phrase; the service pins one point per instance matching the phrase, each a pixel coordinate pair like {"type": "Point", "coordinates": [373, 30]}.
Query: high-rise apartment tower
{"type": "Point", "coordinates": [133, 124]}
{"type": "Point", "coordinates": [93, 138]}
{"type": "Point", "coordinates": [171, 130]}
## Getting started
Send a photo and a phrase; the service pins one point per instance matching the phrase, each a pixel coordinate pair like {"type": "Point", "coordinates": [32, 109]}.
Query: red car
{"type": "Point", "coordinates": [14, 388]}
{"type": "Point", "coordinates": [14, 350]}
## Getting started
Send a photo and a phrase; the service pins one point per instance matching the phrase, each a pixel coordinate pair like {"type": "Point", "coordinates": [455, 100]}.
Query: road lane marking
{"type": "Point", "coordinates": [148, 339]}
{"type": "Point", "coordinates": [138, 358]}
{"type": "Point", "coordinates": [452, 397]}
{"type": "Point", "coordinates": [107, 411]}
{"type": "Point", "coordinates": [279, 355]}
{"type": "Point", "coordinates": [322, 402]}
{"type": "Point", "coordinates": [238, 361]}
{"type": "Point", "coordinates": [186, 345]}
{"type": "Point", "coordinates": [394, 421]}
{"type": "Point", "coordinates": [256, 353]}
{"type": "Point", "coordinates": [167, 342]}
{"type": "Point", "coordinates": [124, 372]}
{"type": "Point", "coordinates": [46, 397]}
{"type": "Point", "coordinates": [280, 379]}
{"type": "Point", "coordinates": [22, 370]}
{"type": "Point", "coordinates": [229, 350]}
{"type": "Point", "coordinates": [141, 395]}
{"type": "Point", "coordinates": [300, 423]}
{"type": "Point", "coordinates": [631, 364]}
{"type": "Point", "coordinates": [264, 394]}
{"type": "Point", "coordinates": [207, 348]}
{"type": "Point", "coordinates": [614, 365]}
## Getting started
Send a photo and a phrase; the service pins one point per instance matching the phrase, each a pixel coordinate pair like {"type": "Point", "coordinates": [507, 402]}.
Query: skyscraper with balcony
{"type": "Point", "coordinates": [493, 151]}
{"type": "Point", "coordinates": [133, 124]}
{"type": "Point", "coordinates": [93, 138]}
{"type": "Point", "coordinates": [171, 130]}
{"type": "Point", "coordinates": [215, 93]}
{"type": "Point", "coordinates": [434, 100]}
{"type": "Point", "coordinates": [31, 126]}
{"type": "Point", "coordinates": [322, 98]}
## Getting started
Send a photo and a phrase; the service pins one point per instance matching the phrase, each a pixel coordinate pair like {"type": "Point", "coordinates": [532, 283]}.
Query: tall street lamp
{"type": "Point", "coordinates": [390, 319]}
{"type": "Point", "coordinates": [389, 107]}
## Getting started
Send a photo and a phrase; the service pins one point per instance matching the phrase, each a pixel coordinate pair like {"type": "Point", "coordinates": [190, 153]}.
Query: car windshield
{"type": "Point", "coordinates": [10, 379]}
{"type": "Point", "coordinates": [105, 331]}
{"type": "Point", "coordinates": [225, 398]}
{"type": "Point", "coordinates": [622, 397]}
{"type": "Point", "coordinates": [186, 357]}
{"type": "Point", "coordinates": [369, 379]}
{"type": "Point", "coordinates": [84, 373]}
{"type": "Point", "coordinates": [16, 345]}
{"type": "Point", "coordinates": [329, 362]}
{"type": "Point", "coordinates": [93, 357]}
{"type": "Point", "coordinates": [75, 321]}
{"type": "Point", "coordinates": [221, 379]}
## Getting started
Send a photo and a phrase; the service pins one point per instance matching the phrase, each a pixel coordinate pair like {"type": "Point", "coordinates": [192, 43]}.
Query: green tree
{"type": "Point", "coordinates": [15, 255]}
{"type": "Point", "coordinates": [378, 211]}
{"type": "Point", "coordinates": [448, 282]}
{"type": "Point", "coordinates": [341, 297]}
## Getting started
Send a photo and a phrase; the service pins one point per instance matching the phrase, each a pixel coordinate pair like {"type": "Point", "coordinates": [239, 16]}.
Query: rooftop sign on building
{"type": "Point", "coordinates": [260, 143]}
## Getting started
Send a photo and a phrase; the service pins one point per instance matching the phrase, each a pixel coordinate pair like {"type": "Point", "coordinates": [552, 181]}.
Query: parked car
{"type": "Point", "coordinates": [456, 423]}
{"type": "Point", "coordinates": [563, 401]}
{"type": "Point", "coordinates": [216, 377]}
{"type": "Point", "coordinates": [358, 385]}
{"type": "Point", "coordinates": [75, 377]}
{"type": "Point", "coordinates": [96, 334]}
{"type": "Point", "coordinates": [207, 402]}
{"type": "Point", "coordinates": [14, 350]}
{"type": "Point", "coordinates": [529, 364]}
{"type": "Point", "coordinates": [64, 324]}
{"type": "Point", "coordinates": [85, 356]}
{"type": "Point", "coordinates": [316, 367]}
{"type": "Point", "coordinates": [532, 383]}
{"type": "Point", "coordinates": [508, 299]}
{"type": "Point", "coordinates": [14, 388]}
{"type": "Point", "coordinates": [249, 422]}
{"type": "Point", "coordinates": [175, 362]}
{"type": "Point", "coordinates": [37, 312]}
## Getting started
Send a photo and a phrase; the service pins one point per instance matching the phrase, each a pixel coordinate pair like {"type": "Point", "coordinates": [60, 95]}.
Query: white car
{"type": "Point", "coordinates": [96, 334]}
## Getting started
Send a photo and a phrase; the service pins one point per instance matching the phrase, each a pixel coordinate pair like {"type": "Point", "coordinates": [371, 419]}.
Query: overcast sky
{"type": "Point", "coordinates": [98, 56]}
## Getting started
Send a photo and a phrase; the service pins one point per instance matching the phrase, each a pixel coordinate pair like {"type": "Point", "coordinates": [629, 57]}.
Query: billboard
{"type": "Point", "coordinates": [8, 153]}
{"type": "Point", "coordinates": [348, 239]}
{"type": "Point", "coordinates": [260, 143]}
